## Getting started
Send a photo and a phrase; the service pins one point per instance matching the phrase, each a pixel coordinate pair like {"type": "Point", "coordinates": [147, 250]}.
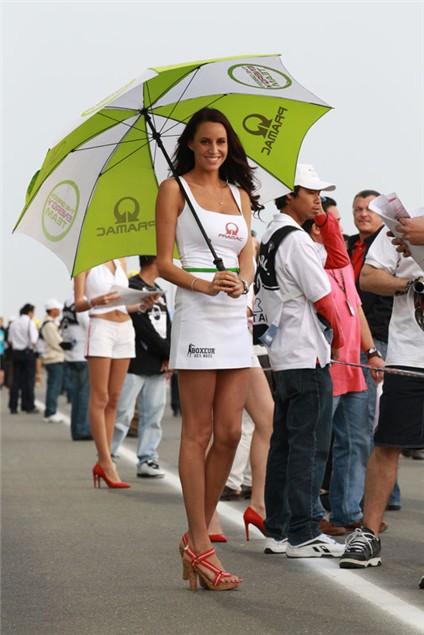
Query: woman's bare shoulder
{"type": "Point", "coordinates": [169, 186]}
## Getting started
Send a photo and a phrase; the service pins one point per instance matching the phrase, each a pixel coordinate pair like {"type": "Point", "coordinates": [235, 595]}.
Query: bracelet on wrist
{"type": "Point", "coordinates": [245, 287]}
{"type": "Point", "coordinates": [405, 290]}
{"type": "Point", "coordinates": [193, 282]}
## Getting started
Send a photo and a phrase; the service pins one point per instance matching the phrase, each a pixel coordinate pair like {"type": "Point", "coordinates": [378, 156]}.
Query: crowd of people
{"type": "Point", "coordinates": [308, 432]}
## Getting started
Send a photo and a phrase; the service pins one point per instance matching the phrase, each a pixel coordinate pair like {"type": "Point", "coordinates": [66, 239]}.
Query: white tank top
{"type": "Point", "coordinates": [228, 234]}
{"type": "Point", "coordinates": [99, 281]}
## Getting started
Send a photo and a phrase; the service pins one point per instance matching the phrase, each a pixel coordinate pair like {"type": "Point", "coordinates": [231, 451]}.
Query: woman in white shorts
{"type": "Point", "coordinates": [110, 345]}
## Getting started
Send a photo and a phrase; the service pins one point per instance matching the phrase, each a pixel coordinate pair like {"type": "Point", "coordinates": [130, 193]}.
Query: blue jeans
{"type": "Point", "coordinates": [372, 395]}
{"type": "Point", "coordinates": [79, 394]}
{"type": "Point", "coordinates": [149, 391]}
{"type": "Point", "coordinates": [54, 386]}
{"type": "Point", "coordinates": [351, 449]}
{"type": "Point", "coordinates": [298, 453]}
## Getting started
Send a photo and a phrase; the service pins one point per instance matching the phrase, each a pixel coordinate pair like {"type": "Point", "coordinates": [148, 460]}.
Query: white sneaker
{"type": "Point", "coordinates": [321, 546]}
{"type": "Point", "coordinates": [150, 469]}
{"type": "Point", "coordinates": [276, 546]}
{"type": "Point", "coordinates": [56, 418]}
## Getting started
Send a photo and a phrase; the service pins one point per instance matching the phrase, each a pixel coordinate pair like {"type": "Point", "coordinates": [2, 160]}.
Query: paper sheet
{"type": "Point", "coordinates": [390, 208]}
{"type": "Point", "coordinates": [129, 296]}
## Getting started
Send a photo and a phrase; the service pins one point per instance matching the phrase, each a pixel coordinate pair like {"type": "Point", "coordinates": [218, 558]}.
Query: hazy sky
{"type": "Point", "coordinates": [366, 59]}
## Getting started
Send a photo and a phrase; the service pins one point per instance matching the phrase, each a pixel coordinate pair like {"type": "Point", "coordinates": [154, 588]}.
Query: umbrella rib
{"type": "Point", "coordinates": [131, 126]}
{"type": "Point", "coordinates": [105, 145]}
{"type": "Point", "coordinates": [181, 97]}
{"type": "Point", "coordinates": [125, 158]}
{"type": "Point", "coordinates": [177, 122]}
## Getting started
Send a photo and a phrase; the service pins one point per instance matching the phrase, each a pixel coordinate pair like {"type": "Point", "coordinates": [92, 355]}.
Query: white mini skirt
{"type": "Point", "coordinates": [210, 332]}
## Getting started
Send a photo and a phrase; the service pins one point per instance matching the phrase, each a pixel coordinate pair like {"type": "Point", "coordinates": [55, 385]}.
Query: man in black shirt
{"type": "Point", "coordinates": [145, 383]}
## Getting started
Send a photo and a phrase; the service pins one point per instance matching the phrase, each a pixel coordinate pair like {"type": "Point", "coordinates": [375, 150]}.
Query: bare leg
{"type": "Point", "coordinates": [99, 374]}
{"type": "Point", "coordinates": [260, 407]}
{"type": "Point", "coordinates": [230, 397]}
{"type": "Point", "coordinates": [196, 390]}
{"type": "Point", "coordinates": [202, 393]}
{"type": "Point", "coordinates": [215, 526]}
{"type": "Point", "coordinates": [381, 477]}
{"type": "Point", "coordinates": [118, 370]}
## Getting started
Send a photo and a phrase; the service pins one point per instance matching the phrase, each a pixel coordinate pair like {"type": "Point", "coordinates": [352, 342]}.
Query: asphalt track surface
{"type": "Point", "coordinates": [82, 561]}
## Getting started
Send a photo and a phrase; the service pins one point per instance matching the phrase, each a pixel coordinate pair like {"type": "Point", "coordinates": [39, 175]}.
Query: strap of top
{"type": "Point", "coordinates": [236, 193]}
{"type": "Point", "coordinates": [188, 192]}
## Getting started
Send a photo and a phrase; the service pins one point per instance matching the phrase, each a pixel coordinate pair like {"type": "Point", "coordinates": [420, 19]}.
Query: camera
{"type": "Point", "coordinates": [418, 285]}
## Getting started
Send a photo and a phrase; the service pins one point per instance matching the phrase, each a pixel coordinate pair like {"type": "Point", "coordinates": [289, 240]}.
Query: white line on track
{"type": "Point", "coordinates": [371, 593]}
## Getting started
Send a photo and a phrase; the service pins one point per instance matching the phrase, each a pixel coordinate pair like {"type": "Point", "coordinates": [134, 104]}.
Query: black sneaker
{"type": "Point", "coordinates": [362, 550]}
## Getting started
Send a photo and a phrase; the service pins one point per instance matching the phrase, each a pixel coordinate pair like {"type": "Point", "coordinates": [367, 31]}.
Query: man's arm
{"type": "Point", "coordinates": [367, 342]}
{"type": "Point", "coordinates": [326, 308]}
{"type": "Point", "coordinates": [381, 282]}
{"type": "Point", "coordinates": [334, 243]}
{"type": "Point", "coordinates": [52, 336]}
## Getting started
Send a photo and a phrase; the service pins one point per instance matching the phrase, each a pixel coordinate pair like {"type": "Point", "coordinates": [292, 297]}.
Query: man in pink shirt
{"type": "Point", "coordinates": [351, 434]}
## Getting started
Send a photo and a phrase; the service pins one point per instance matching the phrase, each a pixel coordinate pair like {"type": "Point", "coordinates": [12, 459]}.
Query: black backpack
{"type": "Point", "coordinates": [268, 299]}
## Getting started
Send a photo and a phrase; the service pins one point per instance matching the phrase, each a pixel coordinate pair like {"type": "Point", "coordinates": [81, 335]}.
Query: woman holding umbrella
{"type": "Point", "coordinates": [210, 343]}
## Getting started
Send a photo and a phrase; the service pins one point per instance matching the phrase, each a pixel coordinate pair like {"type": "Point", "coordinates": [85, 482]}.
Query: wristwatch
{"type": "Point", "coordinates": [373, 352]}
{"type": "Point", "coordinates": [245, 287]}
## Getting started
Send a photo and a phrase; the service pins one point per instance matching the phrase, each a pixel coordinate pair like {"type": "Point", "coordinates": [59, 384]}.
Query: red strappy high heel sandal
{"type": "Point", "coordinates": [251, 517]}
{"type": "Point", "coordinates": [221, 580]}
{"type": "Point", "coordinates": [99, 473]}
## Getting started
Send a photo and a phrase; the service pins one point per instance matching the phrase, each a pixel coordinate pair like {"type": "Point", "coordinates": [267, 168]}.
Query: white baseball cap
{"type": "Point", "coordinates": [53, 304]}
{"type": "Point", "coordinates": [307, 176]}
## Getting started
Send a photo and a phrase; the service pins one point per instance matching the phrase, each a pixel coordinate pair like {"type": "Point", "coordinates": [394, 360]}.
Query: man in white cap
{"type": "Point", "coordinates": [53, 357]}
{"type": "Point", "coordinates": [299, 355]}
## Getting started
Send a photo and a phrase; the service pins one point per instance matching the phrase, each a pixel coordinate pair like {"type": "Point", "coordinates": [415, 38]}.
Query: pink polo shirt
{"type": "Point", "coordinates": [347, 378]}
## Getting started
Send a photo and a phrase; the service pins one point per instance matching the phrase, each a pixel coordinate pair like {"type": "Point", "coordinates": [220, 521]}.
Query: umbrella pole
{"type": "Point", "coordinates": [218, 262]}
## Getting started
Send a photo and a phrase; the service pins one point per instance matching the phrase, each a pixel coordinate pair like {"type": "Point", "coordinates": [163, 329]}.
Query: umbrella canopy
{"type": "Point", "coordinates": [94, 197]}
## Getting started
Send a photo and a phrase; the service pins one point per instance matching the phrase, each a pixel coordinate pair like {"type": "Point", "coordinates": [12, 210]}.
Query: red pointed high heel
{"type": "Point", "coordinates": [218, 538]}
{"type": "Point", "coordinates": [251, 517]}
{"type": "Point", "coordinates": [99, 473]}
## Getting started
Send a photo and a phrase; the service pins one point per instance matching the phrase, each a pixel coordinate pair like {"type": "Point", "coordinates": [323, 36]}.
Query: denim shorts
{"type": "Point", "coordinates": [401, 419]}
{"type": "Point", "coordinates": [107, 338]}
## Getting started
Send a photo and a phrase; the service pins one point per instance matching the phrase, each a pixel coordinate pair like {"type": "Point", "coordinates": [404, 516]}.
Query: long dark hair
{"type": "Point", "coordinates": [235, 168]}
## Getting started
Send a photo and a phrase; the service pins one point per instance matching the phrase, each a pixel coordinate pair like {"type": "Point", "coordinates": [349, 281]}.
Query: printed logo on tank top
{"type": "Point", "coordinates": [200, 352]}
{"type": "Point", "coordinates": [231, 232]}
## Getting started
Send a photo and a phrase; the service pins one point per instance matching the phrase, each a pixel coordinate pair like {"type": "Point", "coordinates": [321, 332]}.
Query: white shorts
{"type": "Point", "coordinates": [110, 339]}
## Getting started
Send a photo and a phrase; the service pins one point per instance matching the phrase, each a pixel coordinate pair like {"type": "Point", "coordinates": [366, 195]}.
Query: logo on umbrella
{"type": "Point", "coordinates": [126, 210]}
{"type": "Point", "coordinates": [60, 210]}
{"type": "Point", "coordinates": [259, 125]}
{"type": "Point", "coordinates": [126, 213]}
{"type": "Point", "coordinates": [258, 76]}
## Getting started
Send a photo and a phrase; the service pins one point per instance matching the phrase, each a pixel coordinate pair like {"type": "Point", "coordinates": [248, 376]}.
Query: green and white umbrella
{"type": "Point", "coordinates": [94, 197]}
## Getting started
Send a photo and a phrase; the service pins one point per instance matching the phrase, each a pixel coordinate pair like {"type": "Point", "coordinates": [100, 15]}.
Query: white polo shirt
{"type": "Point", "coordinates": [22, 333]}
{"type": "Point", "coordinates": [406, 338]}
{"type": "Point", "coordinates": [299, 341]}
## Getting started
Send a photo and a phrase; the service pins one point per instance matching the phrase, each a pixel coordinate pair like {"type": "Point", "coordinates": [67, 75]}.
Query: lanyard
{"type": "Point", "coordinates": [342, 286]}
